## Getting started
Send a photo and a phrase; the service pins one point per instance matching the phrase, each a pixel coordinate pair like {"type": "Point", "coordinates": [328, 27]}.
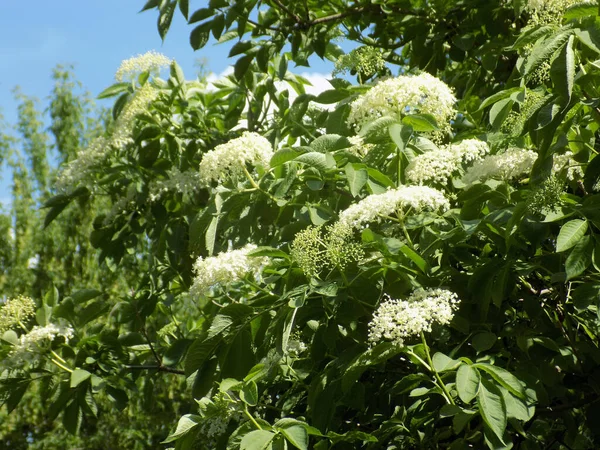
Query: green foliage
{"type": "Point", "coordinates": [333, 319]}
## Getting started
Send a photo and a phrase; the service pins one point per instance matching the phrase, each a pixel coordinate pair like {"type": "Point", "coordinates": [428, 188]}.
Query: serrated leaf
{"type": "Point", "coordinates": [570, 233]}
{"type": "Point", "coordinates": [503, 377]}
{"type": "Point", "coordinates": [315, 159]}
{"type": "Point", "coordinates": [257, 440]}
{"type": "Point", "coordinates": [442, 363]}
{"type": "Point", "coordinates": [249, 393]}
{"type": "Point", "coordinates": [297, 436]}
{"type": "Point", "coordinates": [357, 177]}
{"type": "Point", "coordinates": [185, 424]}
{"type": "Point", "coordinates": [492, 408]}
{"type": "Point", "coordinates": [78, 376]}
{"type": "Point", "coordinates": [562, 71]}
{"type": "Point", "coordinates": [420, 122]}
{"type": "Point", "coordinates": [580, 258]}
{"type": "Point", "coordinates": [544, 50]}
{"type": "Point", "coordinates": [467, 382]}
{"type": "Point", "coordinates": [199, 36]}
{"type": "Point", "coordinates": [114, 90]}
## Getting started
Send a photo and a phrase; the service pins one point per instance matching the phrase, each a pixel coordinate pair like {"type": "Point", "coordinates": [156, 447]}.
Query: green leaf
{"type": "Point", "coordinates": [270, 252]}
{"type": "Point", "coordinates": [467, 382]}
{"type": "Point", "coordinates": [562, 71]}
{"type": "Point", "coordinates": [357, 177]}
{"type": "Point", "coordinates": [72, 417]}
{"type": "Point", "coordinates": [11, 337]}
{"type": "Point", "coordinates": [421, 122]}
{"type": "Point", "coordinates": [499, 96]}
{"type": "Point", "coordinates": [201, 14]}
{"type": "Point", "coordinates": [372, 357]}
{"type": "Point", "coordinates": [492, 408]}
{"type": "Point", "coordinates": [249, 393]}
{"type": "Point", "coordinates": [400, 134]}
{"type": "Point", "coordinates": [85, 295]}
{"type": "Point", "coordinates": [78, 376]}
{"type": "Point", "coordinates": [500, 111]}
{"type": "Point", "coordinates": [504, 377]}
{"type": "Point", "coordinates": [580, 258]}
{"type": "Point", "coordinates": [241, 66]}
{"type": "Point", "coordinates": [185, 424]}
{"type": "Point", "coordinates": [297, 436]}
{"type": "Point", "coordinates": [442, 363]}
{"type": "Point", "coordinates": [484, 341]}
{"type": "Point", "coordinates": [184, 7]}
{"type": "Point", "coordinates": [53, 213]}
{"type": "Point", "coordinates": [570, 233]}
{"type": "Point", "coordinates": [544, 50]}
{"type": "Point", "coordinates": [331, 96]}
{"type": "Point", "coordinates": [257, 440]}
{"type": "Point", "coordinates": [199, 36]}
{"type": "Point", "coordinates": [165, 17]}
{"type": "Point", "coordinates": [315, 159]}
{"type": "Point", "coordinates": [530, 36]}
{"type": "Point", "coordinates": [113, 90]}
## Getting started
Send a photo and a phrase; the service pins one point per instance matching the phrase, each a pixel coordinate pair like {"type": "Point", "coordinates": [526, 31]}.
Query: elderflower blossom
{"type": "Point", "coordinates": [365, 61]}
{"type": "Point", "coordinates": [545, 12]}
{"type": "Point", "coordinates": [437, 166]}
{"type": "Point", "coordinates": [149, 61]}
{"type": "Point", "coordinates": [217, 413]}
{"type": "Point", "coordinates": [359, 147]}
{"type": "Point", "coordinates": [395, 201]}
{"type": "Point", "coordinates": [16, 311]}
{"type": "Point", "coordinates": [80, 170]}
{"type": "Point", "coordinates": [225, 268]}
{"type": "Point", "coordinates": [32, 344]}
{"type": "Point", "coordinates": [185, 183]}
{"type": "Point", "coordinates": [403, 95]}
{"type": "Point", "coordinates": [505, 166]}
{"type": "Point", "coordinates": [574, 170]}
{"type": "Point", "coordinates": [230, 159]}
{"type": "Point", "coordinates": [397, 320]}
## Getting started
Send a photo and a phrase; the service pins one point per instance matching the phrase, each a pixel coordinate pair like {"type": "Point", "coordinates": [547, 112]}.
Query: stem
{"type": "Point", "coordinates": [251, 418]}
{"type": "Point", "coordinates": [255, 186]}
{"type": "Point", "coordinates": [435, 372]}
{"type": "Point", "coordinates": [63, 367]}
{"type": "Point", "coordinates": [57, 356]}
{"type": "Point", "coordinates": [399, 168]}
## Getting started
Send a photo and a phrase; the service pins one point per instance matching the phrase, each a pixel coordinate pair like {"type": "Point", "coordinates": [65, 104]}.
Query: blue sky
{"type": "Point", "coordinates": [94, 36]}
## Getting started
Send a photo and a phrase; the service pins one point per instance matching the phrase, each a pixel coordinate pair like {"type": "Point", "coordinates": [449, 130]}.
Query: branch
{"type": "Point", "coordinates": [289, 12]}
{"type": "Point", "coordinates": [567, 406]}
{"type": "Point", "coordinates": [160, 368]}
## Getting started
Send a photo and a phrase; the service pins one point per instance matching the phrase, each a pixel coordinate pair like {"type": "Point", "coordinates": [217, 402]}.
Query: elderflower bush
{"type": "Point", "coordinates": [316, 288]}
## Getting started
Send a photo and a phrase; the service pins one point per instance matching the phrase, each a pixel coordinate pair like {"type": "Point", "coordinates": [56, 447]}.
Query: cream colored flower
{"type": "Point", "coordinates": [149, 61]}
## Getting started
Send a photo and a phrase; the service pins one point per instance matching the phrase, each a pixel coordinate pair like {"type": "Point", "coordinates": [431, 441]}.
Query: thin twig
{"type": "Point", "coordinates": [160, 368]}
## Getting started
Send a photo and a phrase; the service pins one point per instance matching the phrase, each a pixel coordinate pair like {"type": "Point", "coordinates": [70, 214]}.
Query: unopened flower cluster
{"type": "Point", "coordinates": [365, 61]}
{"type": "Point", "coordinates": [15, 312]}
{"type": "Point", "coordinates": [397, 320]}
{"type": "Point", "coordinates": [398, 201]}
{"type": "Point", "coordinates": [230, 159]}
{"type": "Point", "coordinates": [225, 268]}
{"type": "Point", "coordinates": [506, 166]}
{"type": "Point", "coordinates": [544, 12]}
{"type": "Point", "coordinates": [80, 170]}
{"type": "Point", "coordinates": [315, 249]}
{"type": "Point", "coordinates": [404, 95]}
{"type": "Point", "coordinates": [186, 183]}
{"type": "Point", "coordinates": [438, 166]}
{"type": "Point", "coordinates": [32, 344]}
{"type": "Point", "coordinates": [149, 61]}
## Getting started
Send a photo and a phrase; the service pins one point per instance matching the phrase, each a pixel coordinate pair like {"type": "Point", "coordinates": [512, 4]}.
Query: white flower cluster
{"type": "Point", "coordinates": [184, 183]}
{"type": "Point", "coordinates": [149, 61]}
{"type": "Point", "coordinates": [231, 158]}
{"type": "Point", "coordinates": [403, 95]}
{"type": "Point", "coordinates": [225, 268]}
{"type": "Point", "coordinates": [396, 320]}
{"type": "Point", "coordinates": [396, 201]}
{"type": "Point", "coordinates": [32, 344]}
{"type": "Point", "coordinates": [80, 170]}
{"type": "Point", "coordinates": [565, 161]}
{"type": "Point", "coordinates": [505, 166]}
{"type": "Point", "coordinates": [437, 166]}
{"type": "Point", "coordinates": [359, 147]}
{"type": "Point", "coordinates": [16, 311]}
